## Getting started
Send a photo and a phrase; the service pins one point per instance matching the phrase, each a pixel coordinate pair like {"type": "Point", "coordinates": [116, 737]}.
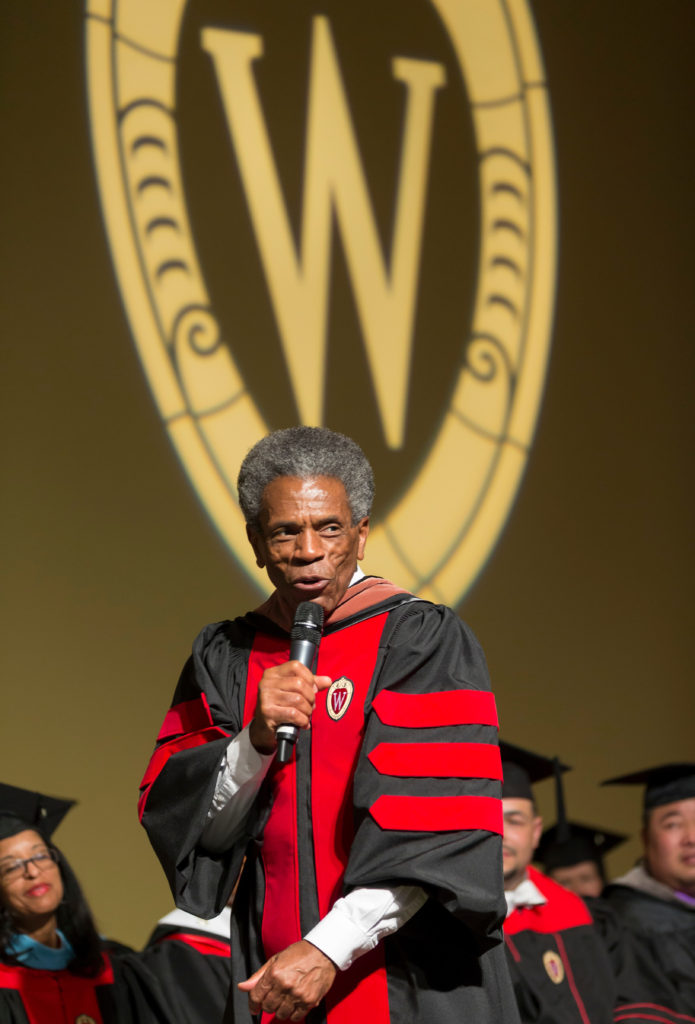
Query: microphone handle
{"type": "Point", "coordinates": [286, 735]}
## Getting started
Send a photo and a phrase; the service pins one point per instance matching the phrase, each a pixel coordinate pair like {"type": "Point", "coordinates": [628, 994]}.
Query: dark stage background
{"type": "Point", "coordinates": [111, 565]}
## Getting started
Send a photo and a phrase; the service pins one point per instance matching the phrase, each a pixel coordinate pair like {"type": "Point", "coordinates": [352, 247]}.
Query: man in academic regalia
{"type": "Point", "coordinates": [560, 968]}
{"type": "Point", "coordinates": [370, 886]}
{"type": "Point", "coordinates": [572, 853]}
{"type": "Point", "coordinates": [655, 901]}
{"type": "Point", "coordinates": [573, 856]}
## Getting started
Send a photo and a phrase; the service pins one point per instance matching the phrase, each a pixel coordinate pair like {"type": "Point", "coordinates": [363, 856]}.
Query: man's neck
{"type": "Point", "coordinates": [282, 613]}
{"type": "Point", "coordinates": [685, 892]}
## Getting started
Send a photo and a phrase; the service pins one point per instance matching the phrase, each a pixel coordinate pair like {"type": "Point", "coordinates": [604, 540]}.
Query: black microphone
{"type": "Point", "coordinates": [305, 638]}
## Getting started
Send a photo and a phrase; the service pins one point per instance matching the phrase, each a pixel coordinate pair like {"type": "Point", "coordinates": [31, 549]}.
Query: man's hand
{"type": "Point", "coordinates": [291, 983]}
{"type": "Point", "coordinates": [286, 695]}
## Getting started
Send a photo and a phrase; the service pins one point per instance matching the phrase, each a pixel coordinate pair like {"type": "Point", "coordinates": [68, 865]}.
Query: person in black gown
{"type": "Point", "coordinates": [655, 901]}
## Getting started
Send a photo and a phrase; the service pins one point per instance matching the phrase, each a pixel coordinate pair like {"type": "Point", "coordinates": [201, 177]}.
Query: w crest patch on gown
{"type": "Point", "coordinates": [338, 697]}
{"type": "Point", "coordinates": [554, 967]}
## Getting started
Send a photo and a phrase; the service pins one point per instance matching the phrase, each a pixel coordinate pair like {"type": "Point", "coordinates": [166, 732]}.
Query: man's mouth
{"type": "Point", "coordinates": [310, 584]}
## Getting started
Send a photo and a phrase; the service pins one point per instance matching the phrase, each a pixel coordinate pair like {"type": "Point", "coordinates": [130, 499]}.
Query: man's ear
{"type": "Point", "coordinates": [255, 542]}
{"type": "Point", "coordinates": [537, 830]}
{"type": "Point", "coordinates": [363, 533]}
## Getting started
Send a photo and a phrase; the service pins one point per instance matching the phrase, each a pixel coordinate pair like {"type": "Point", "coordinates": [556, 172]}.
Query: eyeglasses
{"type": "Point", "coordinates": [14, 868]}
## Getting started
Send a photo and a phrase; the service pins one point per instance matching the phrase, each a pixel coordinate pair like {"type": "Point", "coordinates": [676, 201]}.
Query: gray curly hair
{"type": "Point", "coordinates": [305, 452]}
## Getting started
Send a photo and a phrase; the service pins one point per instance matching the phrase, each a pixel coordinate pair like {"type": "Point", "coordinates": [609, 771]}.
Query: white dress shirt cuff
{"type": "Point", "coordinates": [357, 922]}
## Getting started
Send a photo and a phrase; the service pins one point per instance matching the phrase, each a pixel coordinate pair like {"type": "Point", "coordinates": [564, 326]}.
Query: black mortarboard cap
{"type": "Point", "coordinates": [23, 808]}
{"type": "Point", "coordinates": [521, 768]}
{"type": "Point", "coordinates": [664, 784]}
{"type": "Point", "coordinates": [562, 847]}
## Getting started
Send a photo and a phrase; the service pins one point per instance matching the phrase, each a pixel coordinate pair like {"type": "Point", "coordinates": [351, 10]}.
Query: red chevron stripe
{"type": "Point", "coordinates": [438, 760]}
{"type": "Point", "coordinates": [163, 753]}
{"type": "Point", "coordinates": [437, 813]}
{"type": "Point", "coordinates": [189, 716]}
{"type": "Point", "coordinates": [649, 1006]}
{"type": "Point", "coordinates": [449, 707]}
{"type": "Point", "coordinates": [208, 945]}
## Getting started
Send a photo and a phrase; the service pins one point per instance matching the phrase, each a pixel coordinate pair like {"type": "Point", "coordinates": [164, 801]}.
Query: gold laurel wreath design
{"type": "Point", "coordinates": [212, 420]}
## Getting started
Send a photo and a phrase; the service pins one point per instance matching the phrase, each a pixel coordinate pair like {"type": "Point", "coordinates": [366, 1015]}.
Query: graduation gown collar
{"type": "Point", "coordinates": [364, 592]}
{"type": "Point", "coordinates": [30, 953]}
{"type": "Point", "coordinates": [639, 878]}
{"type": "Point", "coordinates": [526, 894]}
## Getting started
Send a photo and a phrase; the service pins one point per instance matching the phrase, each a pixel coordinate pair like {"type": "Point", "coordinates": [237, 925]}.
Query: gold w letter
{"type": "Point", "coordinates": [334, 181]}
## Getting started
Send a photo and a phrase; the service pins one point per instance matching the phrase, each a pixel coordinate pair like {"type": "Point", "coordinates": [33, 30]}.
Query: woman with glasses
{"type": "Point", "coordinates": [53, 965]}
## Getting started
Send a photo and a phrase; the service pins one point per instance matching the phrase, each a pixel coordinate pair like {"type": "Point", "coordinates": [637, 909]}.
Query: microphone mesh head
{"type": "Point", "coordinates": [308, 622]}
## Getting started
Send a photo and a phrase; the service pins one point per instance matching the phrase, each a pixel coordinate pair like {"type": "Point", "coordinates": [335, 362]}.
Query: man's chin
{"type": "Point", "coordinates": [686, 884]}
{"type": "Point", "coordinates": [323, 599]}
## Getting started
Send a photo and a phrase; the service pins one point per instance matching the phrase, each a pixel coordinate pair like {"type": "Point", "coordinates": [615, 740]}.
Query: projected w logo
{"type": "Point", "coordinates": [148, 103]}
{"type": "Point", "coordinates": [298, 276]}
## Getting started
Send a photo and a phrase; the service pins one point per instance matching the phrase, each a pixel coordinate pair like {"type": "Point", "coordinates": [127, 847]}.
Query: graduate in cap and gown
{"type": "Point", "coordinates": [573, 856]}
{"type": "Point", "coordinates": [655, 901]}
{"type": "Point", "coordinates": [572, 853]}
{"type": "Point", "coordinates": [53, 965]}
{"type": "Point", "coordinates": [559, 965]}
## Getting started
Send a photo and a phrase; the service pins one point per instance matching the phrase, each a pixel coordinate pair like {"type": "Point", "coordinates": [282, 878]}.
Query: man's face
{"type": "Point", "coordinates": [669, 845]}
{"type": "Point", "coordinates": [306, 541]}
{"type": "Point", "coordinates": [522, 830]}
{"type": "Point", "coordinates": [583, 878]}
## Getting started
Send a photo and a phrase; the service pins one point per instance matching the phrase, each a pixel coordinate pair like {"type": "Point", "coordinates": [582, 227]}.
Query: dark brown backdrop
{"type": "Point", "coordinates": [111, 566]}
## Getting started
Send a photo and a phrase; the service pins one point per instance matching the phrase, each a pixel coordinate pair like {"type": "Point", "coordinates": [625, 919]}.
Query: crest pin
{"type": "Point", "coordinates": [338, 697]}
{"type": "Point", "coordinates": [554, 967]}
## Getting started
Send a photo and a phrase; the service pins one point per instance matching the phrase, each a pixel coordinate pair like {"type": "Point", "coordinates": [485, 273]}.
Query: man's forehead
{"type": "Point", "coordinates": [582, 867]}
{"type": "Point", "coordinates": [685, 807]}
{"type": "Point", "coordinates": [517, 805]}
{"type": "Point", "coordinates": [312, 493]}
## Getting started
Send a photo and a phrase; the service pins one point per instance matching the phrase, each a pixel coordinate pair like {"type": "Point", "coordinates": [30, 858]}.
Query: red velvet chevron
{"type": "Point", "coordinates": [449, 707]}
{"type": "Point", "coordinates": [437, 813]}
{"type": "Point", "coordinates": [188, 724]}
{"type": "Point", "coordinates": [446, 760]}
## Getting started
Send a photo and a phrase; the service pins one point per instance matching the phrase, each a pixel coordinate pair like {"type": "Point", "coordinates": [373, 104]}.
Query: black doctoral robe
{"type": "Point", "coordinates": [660, 934]}
{"type": "Point", "coordinates": [560, 968]}
{"type": "Point", "coordinates": [397, 782]}
{"type": "Point", "coordinates": [192, 965]}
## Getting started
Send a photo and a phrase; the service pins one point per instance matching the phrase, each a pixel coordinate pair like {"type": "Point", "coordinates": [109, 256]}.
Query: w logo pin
{"type": "Point", "coordinates": [339, 697]}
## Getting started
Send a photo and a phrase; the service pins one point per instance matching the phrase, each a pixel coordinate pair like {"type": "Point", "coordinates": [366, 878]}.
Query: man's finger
{"type": "Point", "coordinates": [251, 982]}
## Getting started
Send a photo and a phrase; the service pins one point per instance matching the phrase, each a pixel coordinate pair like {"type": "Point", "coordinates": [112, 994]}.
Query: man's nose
{"type": "Point", "coordinates": [308, 547]}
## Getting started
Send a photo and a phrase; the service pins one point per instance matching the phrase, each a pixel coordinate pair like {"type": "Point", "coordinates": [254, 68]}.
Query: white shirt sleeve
{"type": "Point", "coordinates": [357, 922]}
{"type": "Point", "coordinates": [240, 776]}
